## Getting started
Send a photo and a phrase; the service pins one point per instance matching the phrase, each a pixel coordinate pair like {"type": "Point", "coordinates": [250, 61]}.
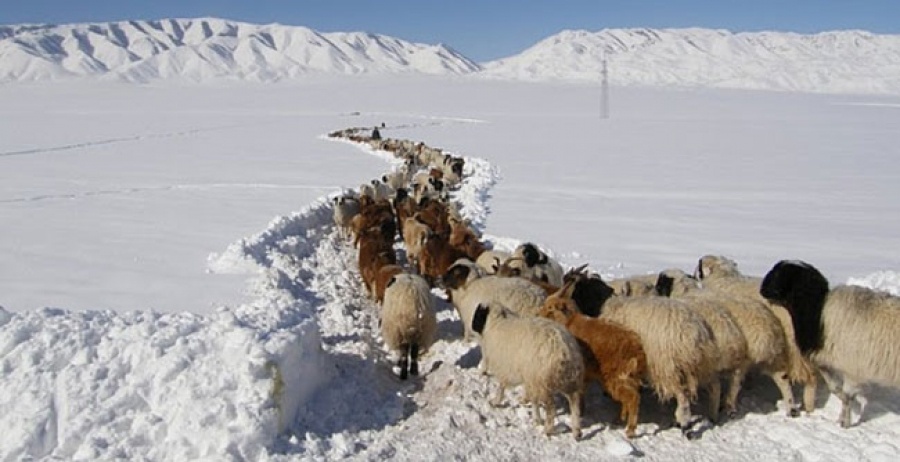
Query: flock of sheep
{"type": "Point", "coordinates": [554, 331]}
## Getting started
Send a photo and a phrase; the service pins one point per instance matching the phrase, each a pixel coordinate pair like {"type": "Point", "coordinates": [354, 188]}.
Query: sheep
{"type": "Point", "coordinates": [463, 238]}
{"type": "Point", "coordinates": [679, 345]}
{"type": "Point", "coordinates": [720, 273]}
{"type": "Point", "coordinates": [615, 357]}
{"type": "Point", "coordinates": [490, 260]}
{"type": "Point", "coordinates": [634, 286]}
{"type": "Point", "coordinates": [414, 234]}
{"type": "Point", "coordinates": [394, 180]}
{"type": "Point", "coordinates": [533, 261]}
{"type": "Point", "coordinates": [767, 347]}
{"type": "Point", "coordinates": [588, 291]}
{"type": "Point", "coordinates": [382, 191]}
{"type": "Point", "coordinates": [408, 320]}
{"type": "Point", "coordinates": [852, 334]}
{"type": "Point", "coordinates": [383, 276]}
{"type": "Point", "coordinates": [535, 352]}
{"type": "Point", "coordinates": [436, 256]}
{"type": "Point", "coordinates": [732, 359]}
{"type": "Point", "coordinates": [468, 286]}
{"type": "Point", "coordinates": [345, 208]}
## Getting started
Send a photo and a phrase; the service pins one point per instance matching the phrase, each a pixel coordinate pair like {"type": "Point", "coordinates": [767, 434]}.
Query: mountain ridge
{"type": "Point", "coordinates": [202, 49]}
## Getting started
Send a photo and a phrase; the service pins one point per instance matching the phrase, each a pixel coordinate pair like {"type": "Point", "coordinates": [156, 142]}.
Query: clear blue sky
{"type": "Point", "coordinates": [483, 29]}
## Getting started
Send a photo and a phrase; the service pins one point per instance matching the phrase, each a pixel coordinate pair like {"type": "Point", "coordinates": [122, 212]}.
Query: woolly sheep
{"type": "Point", "coordinates": [634, 286]}
{"type": "Point", "coordinates": [408, 321]}
{"type": "Point", "coordinates": [732, 359]}
{"type": "Point", "coordinates": [614, 355]}
{"type": "Point", "coordinates": [535, 263]}
{"type": "Point", "coordinates": [720, 273]}
{"type": "Point", "coordinates": [414, 234]}
{"type": "Point", "coordinates": [345, 208]}
{"type": "Point", "coordinates": [469, 286]}
{"type": "Point", "coordinates": [767, 346]}
{"type": "Point", "coordinates": [490, 260]}
{"type": "Point", "coordinates": [535, 352]}
{"type": "Point", "coordinates": [679, 345]}
{"type": "Point", "coordinates": [851, 333]}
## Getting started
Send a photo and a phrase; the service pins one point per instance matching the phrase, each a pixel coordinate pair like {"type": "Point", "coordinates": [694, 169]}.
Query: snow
{"type": "Point", "coordinates": [174, 289]}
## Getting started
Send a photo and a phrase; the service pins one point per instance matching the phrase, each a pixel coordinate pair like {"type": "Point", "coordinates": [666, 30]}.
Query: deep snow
{"type": "Point", "coordinates": [220, 372]}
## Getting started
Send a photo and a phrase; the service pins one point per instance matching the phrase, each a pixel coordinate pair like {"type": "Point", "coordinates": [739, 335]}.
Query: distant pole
{"type": "Point", "coordinates": [604, 92]}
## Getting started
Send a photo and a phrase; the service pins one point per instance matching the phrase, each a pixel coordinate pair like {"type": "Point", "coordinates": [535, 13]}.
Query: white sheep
{"type": "Point", "coordinates": [469, 286]}
{"type": "Point", "coordinates": [720, 273]}
{"type": "Point", "coordinates": [382, 191]}
{"type": "Point", "coordinates": [490, 260]}
{"type": "Point", "coordinates": [408, 320]}
{"type": "Point", "coordinates": [534, 263]}
{"type": "Point", "coordinates": [851, 333]}
{"type": "Point", "coordinates": [679, 344]}
{"type": "Point", "coordinates": [539, 354]}
{"type": "Point", "coordinates": [767, 347]}
{"type": "Point", "coordinates": [345, 208]}
{"type": "Point", "coordinates": [633, 286]}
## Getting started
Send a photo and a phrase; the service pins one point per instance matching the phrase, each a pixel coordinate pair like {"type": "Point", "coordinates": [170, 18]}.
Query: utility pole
{"type": "Point", "coordinates": [604, 92]}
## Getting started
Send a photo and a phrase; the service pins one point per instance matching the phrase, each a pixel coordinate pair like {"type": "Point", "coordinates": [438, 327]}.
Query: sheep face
{"type": "Point", "coordinates": [801, 289]}
{"type": "Point", "coordinates": [457, 276]}
{"type": "Point", "coordinates": [532, 255]}
{"type": "Point", "coordinates": [558, 310]}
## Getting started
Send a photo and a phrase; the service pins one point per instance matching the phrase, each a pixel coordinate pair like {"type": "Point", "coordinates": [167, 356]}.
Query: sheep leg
{"type": "Point", "coordinates": [784, 385]}
{"type": "Point", "coordinates": [575, 400]}
{"type": "Point", "coordinates": [403, 362]}
{"type": "Point", "coordinates": [550, 413]}
{"type": "Point", "coordinates": [414, 359]}
{"type": "Point", "coordinates": [498, 400]}
{"type": "Point", "coordinates": [714, 390]}
{"type": "Point", "coordinates": [629, 397]}
{"type": "Point", "coordinates": [845, 391]}
{"type": "Point", "coordinates": [734, 389]}
{"type": "Point", "coordinates": [809, 395]}
{"type": "Point", "coordinates": [683, 416]}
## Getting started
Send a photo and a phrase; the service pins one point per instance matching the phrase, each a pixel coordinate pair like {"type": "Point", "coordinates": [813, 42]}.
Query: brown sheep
{"type": "Point", "coordinates": [614, 355]}
{"type": "Point", "coordinates": [383, 277]}
{"type": "Point", "coordinates": [464, 239]}
{"type": "Point", "coordinates": [437, 257]}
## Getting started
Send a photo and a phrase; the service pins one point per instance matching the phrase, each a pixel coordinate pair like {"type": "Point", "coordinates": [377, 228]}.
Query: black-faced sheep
{"type": "Point", "coordinates": [408, 321]}
{"type": "Point", "coordinates": [535, 352]}
{"type": "Point", "coordinates": [851, 333]}
{"type": "Point", "coordinates": [535, 263]}
{"type": "Point", "coordinates": [614, 356]}
{"type": "Point", "coordinates": [468, 287]}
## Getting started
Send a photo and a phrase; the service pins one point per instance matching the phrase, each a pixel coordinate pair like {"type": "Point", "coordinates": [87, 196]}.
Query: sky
{"type": "Point", "coordinates": [482, 30]}
{"type": "Point", "coordinates": [139, 198]}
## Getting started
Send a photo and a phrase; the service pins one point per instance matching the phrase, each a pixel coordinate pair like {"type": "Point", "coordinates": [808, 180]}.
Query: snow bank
{"type": "Point", "coordinates": [102, 384]}
{"type": "Point", "coordinates": [888, 281]}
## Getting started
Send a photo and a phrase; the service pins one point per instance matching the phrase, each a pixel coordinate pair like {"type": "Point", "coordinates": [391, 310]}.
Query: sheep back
{"type": "Point", "coordinates": [408, 313]}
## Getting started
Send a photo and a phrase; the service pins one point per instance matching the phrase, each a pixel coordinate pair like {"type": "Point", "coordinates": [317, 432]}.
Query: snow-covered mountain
{"type": "Point", "coordinates": [830, 62]}
{"type": "Point", "coordinates": [201, 49]}
{"type": "Point", "coordinates": [208, 48]}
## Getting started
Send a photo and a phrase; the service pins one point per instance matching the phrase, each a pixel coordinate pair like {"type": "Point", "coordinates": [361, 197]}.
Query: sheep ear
{"type": "Point", "coordinates": [479, 319]}
{"type": "Point", "coordinates": [391, 282]}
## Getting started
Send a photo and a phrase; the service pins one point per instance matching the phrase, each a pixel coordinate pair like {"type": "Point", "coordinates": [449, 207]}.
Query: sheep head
{"type": "Point", "coordinates": [560, 310]}
{"type": "Point", "coordinates": [802, 290]}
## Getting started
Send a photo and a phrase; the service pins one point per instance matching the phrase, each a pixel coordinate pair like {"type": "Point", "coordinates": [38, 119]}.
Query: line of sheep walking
{"type": "Point", "coordinates": [555, 331]}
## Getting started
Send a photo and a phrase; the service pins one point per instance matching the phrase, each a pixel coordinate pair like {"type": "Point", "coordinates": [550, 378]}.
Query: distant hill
{"type": "Point", "coordinates": [829, 62]}
{"type": "Point", "coordinates": [205, 49]}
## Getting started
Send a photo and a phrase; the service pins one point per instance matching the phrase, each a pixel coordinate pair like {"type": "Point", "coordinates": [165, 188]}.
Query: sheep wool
{"type": "Point", "coordinates": [535, 352]}
{"type": "Point", "coordinates": [408, 320]}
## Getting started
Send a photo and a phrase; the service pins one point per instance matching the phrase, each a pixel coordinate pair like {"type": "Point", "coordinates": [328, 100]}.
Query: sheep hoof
{"type": "Point", "coordinates": [414, 369]}
{"type": "Point", "coordinates": [794, 412]}
{"type": "Point", "coordinates": [692, 435]}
